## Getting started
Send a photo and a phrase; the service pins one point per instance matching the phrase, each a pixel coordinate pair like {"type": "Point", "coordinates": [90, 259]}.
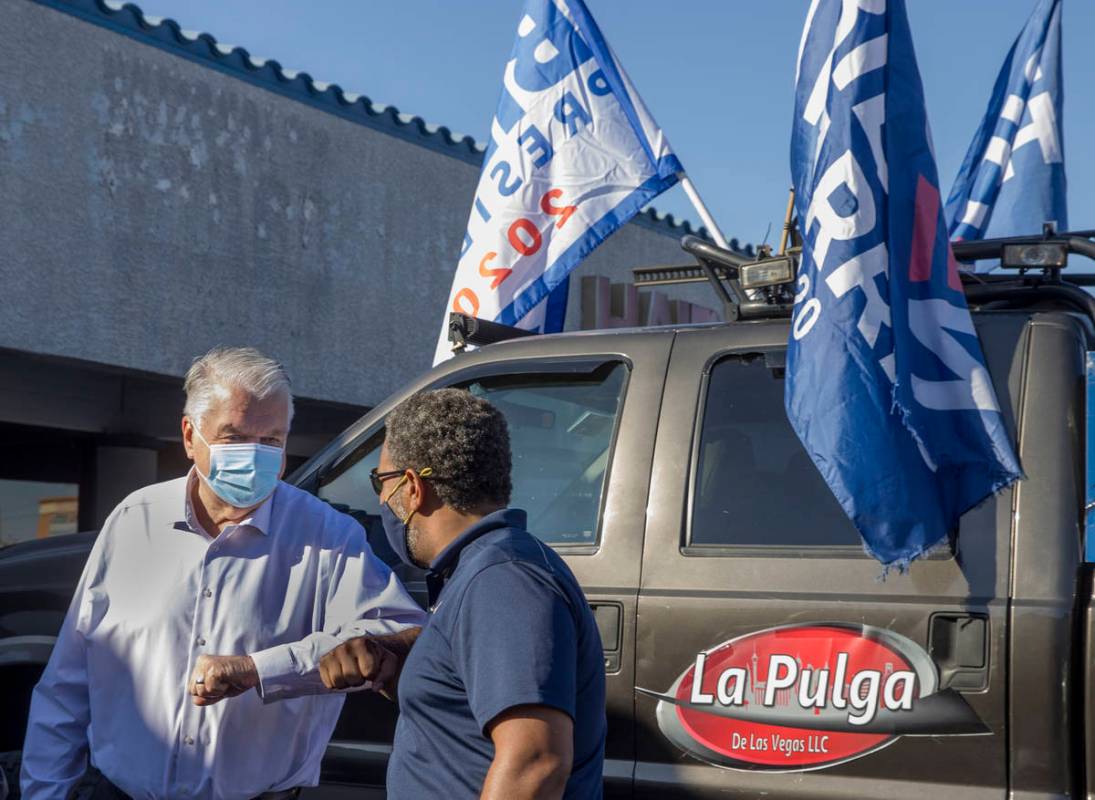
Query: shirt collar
{"type": "Point", "coordinates": [259, 519]}
{"type": "Point", "coordinates": [442, 566]}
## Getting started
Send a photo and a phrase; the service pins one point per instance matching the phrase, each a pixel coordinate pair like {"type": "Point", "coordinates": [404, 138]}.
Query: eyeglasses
{"type": "Point", "coordinates": [377, 478]}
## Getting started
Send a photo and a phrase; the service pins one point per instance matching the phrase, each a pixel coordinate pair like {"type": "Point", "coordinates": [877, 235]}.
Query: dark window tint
{"type": "Point", "coordinates": [348, 489]}
{"type": "Point", "coordinates": [753, 483]}
{"type": "Point", "coordinates": [561, 432]}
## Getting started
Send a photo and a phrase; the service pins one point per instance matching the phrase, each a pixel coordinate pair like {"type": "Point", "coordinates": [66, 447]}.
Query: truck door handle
{"type": "Point", "coordinates": [608, 617]}
{"type": "Point", "coordinates": [958, 643]}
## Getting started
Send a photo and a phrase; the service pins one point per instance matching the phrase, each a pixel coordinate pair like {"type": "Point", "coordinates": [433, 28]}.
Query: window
{"type": "Point", "coordinates": [561, 432]}
{"type": "Point", "coordinates": [753, 483]}
{"type": "Point", "coordinates": [348, 489]}
{"type": "Point", "coordinates": [35, 510]}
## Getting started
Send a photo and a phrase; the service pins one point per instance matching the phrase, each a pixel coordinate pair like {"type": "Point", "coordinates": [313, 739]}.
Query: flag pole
{"type": "Point", "coordinates": [788, 223]}
{"type": "Point", "coordinates": [705, 215]}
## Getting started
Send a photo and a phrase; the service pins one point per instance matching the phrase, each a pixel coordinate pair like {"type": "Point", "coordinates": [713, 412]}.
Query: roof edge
{"type": "Point", "coordinates": [129, 20]}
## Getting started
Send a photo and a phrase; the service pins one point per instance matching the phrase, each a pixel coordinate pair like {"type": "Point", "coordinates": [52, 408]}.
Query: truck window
{"type": "Point", "coordinates": [348, 489]}
{"type": "Point", "coordinates": [752, 483]}
{"type": "Point", "coordinates": [561, 432]}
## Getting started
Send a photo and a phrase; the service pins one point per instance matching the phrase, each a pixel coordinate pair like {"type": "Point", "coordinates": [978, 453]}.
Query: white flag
{"type": "Point", "coordinates": [573, 155]}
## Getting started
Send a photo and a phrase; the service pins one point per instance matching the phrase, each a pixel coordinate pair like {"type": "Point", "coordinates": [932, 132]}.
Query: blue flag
{"type": "Point", "coordinates": [573, 155]}
{"type": "Point", "coordinates": [886, 383]}
{"type": "Point", "coordinates": [1013, 177]}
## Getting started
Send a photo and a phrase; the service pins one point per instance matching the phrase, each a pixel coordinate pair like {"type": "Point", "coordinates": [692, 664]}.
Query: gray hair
{"type": "Point", "coordinates": [211, 377]}
{"type": "Point", "coordinates": [462, 438]}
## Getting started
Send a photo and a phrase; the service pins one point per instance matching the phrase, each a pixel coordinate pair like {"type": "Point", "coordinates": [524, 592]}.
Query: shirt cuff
{"type": "Point", "coordinates": [276, 668]}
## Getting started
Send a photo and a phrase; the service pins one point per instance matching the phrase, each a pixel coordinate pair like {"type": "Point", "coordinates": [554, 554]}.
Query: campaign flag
{"type": "Point", "coordinates": [1013, 177]}
{"type": "Point", "coordinates": [573, 155]}
{"type": "Point", "coordinates": [886, 383]}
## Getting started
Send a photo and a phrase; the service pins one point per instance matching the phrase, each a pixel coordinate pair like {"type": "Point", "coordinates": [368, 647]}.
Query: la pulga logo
{"type": "Point", "coordinates": [804, 697]}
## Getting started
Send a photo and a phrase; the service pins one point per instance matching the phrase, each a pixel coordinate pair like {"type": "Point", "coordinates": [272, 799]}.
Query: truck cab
{"type": "Point", "coordinates": [726, 580]}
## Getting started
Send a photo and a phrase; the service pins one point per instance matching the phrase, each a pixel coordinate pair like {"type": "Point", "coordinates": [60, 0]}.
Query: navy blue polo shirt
{"type": "Point", "coordinates": [510, 626]}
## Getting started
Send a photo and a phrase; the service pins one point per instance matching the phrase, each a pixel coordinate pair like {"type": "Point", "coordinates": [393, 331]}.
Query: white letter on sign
{"type": "Point", "coordinates": [775, 682]}
{"type": "Point", "coordinates": [699, 697]}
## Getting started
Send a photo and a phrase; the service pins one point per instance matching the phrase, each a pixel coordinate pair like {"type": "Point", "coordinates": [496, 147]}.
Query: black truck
{"type": "Point", "coordinates": [751, 647]}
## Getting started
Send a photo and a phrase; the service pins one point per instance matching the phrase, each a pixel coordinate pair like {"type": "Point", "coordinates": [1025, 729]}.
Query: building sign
{"type": "Point", "coordinates": [803, 697]}
{"type": "Point", "coordinates": [620, 305]}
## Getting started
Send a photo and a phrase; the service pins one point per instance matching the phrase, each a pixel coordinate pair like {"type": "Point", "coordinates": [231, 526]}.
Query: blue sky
{"type": "Point", "coordinates": [716, 74]}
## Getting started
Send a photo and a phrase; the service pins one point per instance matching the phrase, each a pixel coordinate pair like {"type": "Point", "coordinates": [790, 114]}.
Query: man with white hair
{"type": "Point", "coordinates": [224, 583]}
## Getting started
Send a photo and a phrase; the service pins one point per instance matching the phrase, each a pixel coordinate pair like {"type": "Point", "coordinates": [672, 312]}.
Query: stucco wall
{"type": "Point", "coordinates": [152, 207]}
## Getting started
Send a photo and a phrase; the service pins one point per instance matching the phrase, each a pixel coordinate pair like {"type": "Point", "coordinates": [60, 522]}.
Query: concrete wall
{"type": "Point", "coordinates": [152, 207]}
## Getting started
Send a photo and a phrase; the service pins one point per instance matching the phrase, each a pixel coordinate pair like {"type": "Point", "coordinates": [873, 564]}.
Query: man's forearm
{"type": "Point", "coordinates": [399, 643]}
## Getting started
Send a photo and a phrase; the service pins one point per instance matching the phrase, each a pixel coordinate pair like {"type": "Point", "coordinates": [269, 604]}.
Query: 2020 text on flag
{"type": "Point", "coordinates": [573, 155]}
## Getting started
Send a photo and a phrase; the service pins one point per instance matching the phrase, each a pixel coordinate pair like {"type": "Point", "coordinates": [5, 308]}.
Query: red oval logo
{"type": "Point", "coordinates": [803, 697]}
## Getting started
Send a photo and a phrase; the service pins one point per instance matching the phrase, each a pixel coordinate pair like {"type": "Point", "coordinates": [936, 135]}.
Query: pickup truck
{"type": "Point", "coordinates": [660, 464]}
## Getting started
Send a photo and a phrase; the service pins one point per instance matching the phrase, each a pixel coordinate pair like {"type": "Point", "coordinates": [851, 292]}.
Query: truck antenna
{"type": "Point", "coordinates": [788, 223]}
{"type": "Point", "coordinates": [767, 233]}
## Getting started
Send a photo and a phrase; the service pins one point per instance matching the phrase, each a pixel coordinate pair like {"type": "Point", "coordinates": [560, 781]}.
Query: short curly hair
{"type": "Point", "coordinates": [462, 438]}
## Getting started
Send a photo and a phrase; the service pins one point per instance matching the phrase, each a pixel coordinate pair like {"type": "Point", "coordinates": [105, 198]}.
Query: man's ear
{"type": "Point", "coordinates": [188, 437]}
{"type": "Point", "coordinates": [416, 491]}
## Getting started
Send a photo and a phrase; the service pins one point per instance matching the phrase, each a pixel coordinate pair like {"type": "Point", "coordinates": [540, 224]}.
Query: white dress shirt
{"type": "Point", "coordinates": [285, 586]}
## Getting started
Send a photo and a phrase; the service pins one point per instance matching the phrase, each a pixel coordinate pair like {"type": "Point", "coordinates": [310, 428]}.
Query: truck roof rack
{"type": "Point", "coordinates": [721, 268]}
{"type": "Point", "coordinates": [1039, 260]}
{"type": "Point", "coordinates": [1028, 293]}
{"type": "Point", "coordinates": [1050, 242]}
{"type": "Point", "coordinates": [1037, 283]}
{"type": "Point", "coordinates": [465, 329]}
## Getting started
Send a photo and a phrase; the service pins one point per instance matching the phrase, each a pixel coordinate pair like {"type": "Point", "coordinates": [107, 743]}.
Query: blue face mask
{"type": "Point", "coordinates": [396, 531]}
{"type": "Point", "coordinates": [395, 528]}
{"type": "Point", "coordinates": [242, 475]}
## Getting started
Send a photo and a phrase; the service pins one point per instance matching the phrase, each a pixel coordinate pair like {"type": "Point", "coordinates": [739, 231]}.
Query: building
{"type": "Point", "coordinates": [161, 194]}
